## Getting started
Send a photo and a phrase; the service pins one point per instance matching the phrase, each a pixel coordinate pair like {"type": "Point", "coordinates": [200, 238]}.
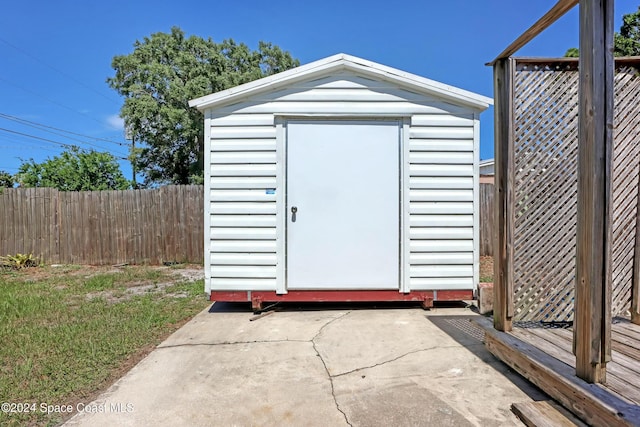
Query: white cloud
{"type": "Point", "coordinates": [115, 122]}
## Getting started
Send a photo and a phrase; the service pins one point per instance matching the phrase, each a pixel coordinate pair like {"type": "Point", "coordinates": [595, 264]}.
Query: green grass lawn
{"type": "Point", "coordinates": [67, 332]}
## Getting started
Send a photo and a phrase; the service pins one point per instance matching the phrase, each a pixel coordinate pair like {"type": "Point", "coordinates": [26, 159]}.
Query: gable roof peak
{"type": "Point", "coordinates": [354, 64]}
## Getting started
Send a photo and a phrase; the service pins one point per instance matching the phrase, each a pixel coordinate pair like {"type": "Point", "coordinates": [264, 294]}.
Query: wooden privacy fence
{"type": "Point", "coordinates": [545, 138]}
{"type": "Point", "coordinates": [103, 227]}
{"type": "Point", "coordinates": [486, 207]}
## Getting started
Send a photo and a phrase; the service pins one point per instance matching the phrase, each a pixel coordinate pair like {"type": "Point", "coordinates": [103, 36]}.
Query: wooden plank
{"type": "Point", "coordinates": [544, 413]}
{"type": "Point", "coordinates": [557, 11]}
{"type": "Point", "coordinates": [63, 239]}
{"type": "Point", "coordinates": [589, 402]}
{"type": "Point", "coordinates": [624, 327]}
{"type": "Point", "coordinates": [77, 220]}
{"type": "Point", "coordinates": [487, 221]}
{"type": "Point", "coordinates": [630, 365]}
{"type": "Point", "coordinates": [55, 232]}
{"type": "Point", "coordinates": [503, 75]}
{"type": "Point", "coordinates": [31, 229]}
{"type": "Point", "coordinates": [592, 340]}
{"type": "Point", "coordinates": [102, 221]}
{"type": "Point", "coordinates": [4, 221]}
{"type": "Point", "coordinates": [621, 376]}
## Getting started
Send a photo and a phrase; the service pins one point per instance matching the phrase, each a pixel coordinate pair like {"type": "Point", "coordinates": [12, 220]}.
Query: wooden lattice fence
{"type": "Point", "coordinates": [545, 186]}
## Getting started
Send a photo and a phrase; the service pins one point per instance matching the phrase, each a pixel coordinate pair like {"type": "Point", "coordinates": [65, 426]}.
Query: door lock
{"type": "Point", "coordinates": [294, 209]}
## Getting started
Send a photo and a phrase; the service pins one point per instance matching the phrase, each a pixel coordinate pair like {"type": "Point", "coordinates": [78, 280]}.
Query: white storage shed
{"type": "Point", "coordinates": [341, 180]}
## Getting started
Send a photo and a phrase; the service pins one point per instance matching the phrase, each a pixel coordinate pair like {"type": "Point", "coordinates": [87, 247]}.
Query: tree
{"type": "Point", "coordinates": [626, 42]}
{"type": "Point", "coordinates": [6, 180]}
{"type": "Point", "coordinates": [157, 80]}
{"type": "Point", "coordinates": [572, 52]}
{"type": "Point", "coordinates": [74, 170]}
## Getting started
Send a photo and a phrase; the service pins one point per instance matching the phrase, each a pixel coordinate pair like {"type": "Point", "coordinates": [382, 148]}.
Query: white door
{"type": "Point", "coordinates": [343, 205]}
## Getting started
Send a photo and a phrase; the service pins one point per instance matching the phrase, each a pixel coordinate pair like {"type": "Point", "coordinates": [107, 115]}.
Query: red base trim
{"type": "Point", "coordinates": [259, 297]}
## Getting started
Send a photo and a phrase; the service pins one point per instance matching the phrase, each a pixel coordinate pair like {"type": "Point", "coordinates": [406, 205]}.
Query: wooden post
{"type": "Point", "coordinates": [593, 295]}
{"type": "Point", "coordinates": [503, 81]}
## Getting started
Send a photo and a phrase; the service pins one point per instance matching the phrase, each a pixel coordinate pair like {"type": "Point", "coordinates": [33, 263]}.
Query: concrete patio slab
{"type": "Point", "coordinates": [317, 365]}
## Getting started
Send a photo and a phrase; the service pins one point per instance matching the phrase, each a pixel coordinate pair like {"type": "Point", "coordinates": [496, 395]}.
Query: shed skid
{"type": "Point", "coordinates": [258, 298]}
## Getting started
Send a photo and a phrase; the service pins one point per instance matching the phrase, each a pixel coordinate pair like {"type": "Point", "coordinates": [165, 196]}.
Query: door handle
{"type": "Point", "coordinates": [294, 210]}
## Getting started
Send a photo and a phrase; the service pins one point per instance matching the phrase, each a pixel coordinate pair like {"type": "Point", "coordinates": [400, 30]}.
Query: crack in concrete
{"type": "Point", "coordinates": [398, 358]}
{"type": "Point", "coordinates": [333, 391]}
{"type": "Point", "coordinates": [229, 343]}
{"type": "Point", "coordinates": [385, 362]}
{"type": "Point", "coordinates": [327, 324]}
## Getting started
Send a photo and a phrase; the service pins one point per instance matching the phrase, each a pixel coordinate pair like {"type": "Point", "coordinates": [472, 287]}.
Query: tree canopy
{"type": "Point", "coordinates": [6, 179]}
{"type": "Point", "coordinates": [157, 80]}
{"type": "Point", "coordinates": [626, 42]}
{"type": "Point", "coordinates": [74, 170]}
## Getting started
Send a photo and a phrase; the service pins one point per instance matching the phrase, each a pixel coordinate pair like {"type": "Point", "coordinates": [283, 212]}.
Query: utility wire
{"type": "Point", "coordinates": [41, 125]}
{"type": "Point", "coordinates": [62, 144]}
{"type": "Point", "coordinates": [70, 77]}
{"type": "Point", "coordinates": [83, 142]}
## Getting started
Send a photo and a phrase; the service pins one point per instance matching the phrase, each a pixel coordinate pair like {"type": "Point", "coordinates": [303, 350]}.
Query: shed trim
{"type": "Point", "coordinates": [343, 62]}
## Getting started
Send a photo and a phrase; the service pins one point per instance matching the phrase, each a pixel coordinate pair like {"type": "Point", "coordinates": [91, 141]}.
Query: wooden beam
{"type": "Point", "coordinates": [557, 11]}
{"type": "Point", "coordinates": [504, 219]}
{"type": "Point", "coordinates": [592, 312]}
{"type": "Point", "coordinates": [544, 413]}
{"type": "Point", "coordinates": [590, 402]}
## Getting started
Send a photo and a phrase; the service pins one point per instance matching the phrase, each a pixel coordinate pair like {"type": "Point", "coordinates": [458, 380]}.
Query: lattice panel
{"type": "Point", "coordinates": [545, 188]}
{"type": "Point", "coordinates": [546, 133]}
{"type": "Point", "coordinates": [626, 169]}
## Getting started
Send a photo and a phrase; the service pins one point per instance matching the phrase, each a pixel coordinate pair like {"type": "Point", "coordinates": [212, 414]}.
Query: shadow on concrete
{"type": "Point", "coordinates": [467, 333]}
{"type": "Point", "coordinates": [239, 307]}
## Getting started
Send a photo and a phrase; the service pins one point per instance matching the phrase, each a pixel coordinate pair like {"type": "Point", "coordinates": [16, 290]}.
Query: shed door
{"type": "Point", "coordinates": [343, 182]}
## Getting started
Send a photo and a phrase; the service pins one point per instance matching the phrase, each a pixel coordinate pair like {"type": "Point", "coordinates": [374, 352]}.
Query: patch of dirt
{"type": "Point", "coordinates": [190, 273]}
{"type": "Point", "coordinates": [486, 269]}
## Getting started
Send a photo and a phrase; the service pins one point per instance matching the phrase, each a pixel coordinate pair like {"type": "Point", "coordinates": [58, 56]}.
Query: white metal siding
{"type": "Point", "coordinates": [245, 226]}
{"type": "Point", "coordinates": [441, 201]}
{"type": "Point", "coordinates": [242, 206]}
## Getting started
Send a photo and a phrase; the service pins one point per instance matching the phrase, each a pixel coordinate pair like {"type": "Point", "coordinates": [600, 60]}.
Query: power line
{"type": "Point", "coordinates": [62, 144]}
{"type": "Point", "coordinates": [45, 128]}
{"type": "Point", "coordinates": [70, 77]}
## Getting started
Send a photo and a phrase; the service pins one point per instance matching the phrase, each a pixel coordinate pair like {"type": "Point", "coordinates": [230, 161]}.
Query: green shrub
{"type": "Point", "coordinates": [18, 261]}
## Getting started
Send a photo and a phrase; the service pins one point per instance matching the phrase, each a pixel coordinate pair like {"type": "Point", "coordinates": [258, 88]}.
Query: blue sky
{"type": "Point", "coordinates": [56, 55]}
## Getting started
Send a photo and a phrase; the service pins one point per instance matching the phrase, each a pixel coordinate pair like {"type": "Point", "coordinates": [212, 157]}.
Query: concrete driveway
{"type": "Point", "coordinates": [317, 366]}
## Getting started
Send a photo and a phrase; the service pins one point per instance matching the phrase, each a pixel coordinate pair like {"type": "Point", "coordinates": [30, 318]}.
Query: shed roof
{"type": "Point", "coordinates": [339, 63]}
